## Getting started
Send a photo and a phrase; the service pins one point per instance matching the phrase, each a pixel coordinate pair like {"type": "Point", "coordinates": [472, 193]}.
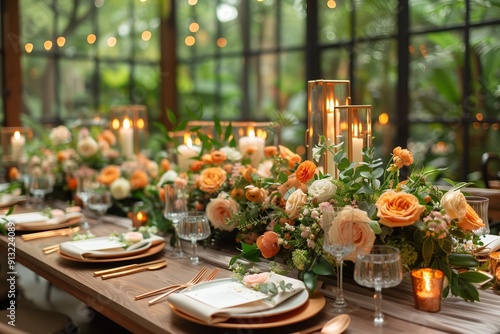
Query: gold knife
{"type": "Point", "coordinates": [136, 270]}
{"type": "Point", "coordinates": [127, 267]}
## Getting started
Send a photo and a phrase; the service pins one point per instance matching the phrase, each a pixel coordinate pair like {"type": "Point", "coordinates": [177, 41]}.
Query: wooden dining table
{"type": "Point", "coordinates": [114, 298]}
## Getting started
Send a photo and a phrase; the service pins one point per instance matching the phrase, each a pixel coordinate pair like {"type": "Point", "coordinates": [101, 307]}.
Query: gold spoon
{"type": "Point", "coordinates": [135, 270]}
{"type": "Point", "coordinates": [336, 325]}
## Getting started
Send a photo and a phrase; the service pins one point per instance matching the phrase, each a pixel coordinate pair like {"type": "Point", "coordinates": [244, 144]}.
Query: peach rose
{"type": "Point", "coordinates": [294, 160]}
{"type": "Point", "coordinates": [196, 166]}
{"type": "Point", "coordinates": [397, 209]}
{"type": "Point", "coordinates": [268, 244]}
{"type": "Point", "coordinates": [285, 152]}
{"type": "Point", "coordinates": [133, 237]}
{"type": "Point", "coordinates": [87, 147]}
{"type": "Point", "coordinates": [255, 194]}
{"type": "Point", "coordinates": [305, 171]}
{"type": "Point", "coordinates": [138, 179]}
{"type": "Point", "coordinates": [270, 151]}
{"type": "Point", "coordinates": [220, 209]}
{"type": "Point", "coordinates": [211, 179]}
{"type": "Point", "coordinates": [454, 204]}
{"type": "Point", "coordinates": [120, 188]}
{"type": "Point", "coordinates": [109, 174]}
{"type": "Point", "coordinates": [253, 281]}
{"type": "Point", "coordinates": [295, 203]}
{"type": "Point", "coordinates": [109, 137]}
{"type": "Point", "coordinates": [471, 220]}
{"type": "Point", "coordinates": [164, 165]}
{"type": "Point", "coordinates": [362, 234]}
{"type": "Point", "coordinates": [291, 183]}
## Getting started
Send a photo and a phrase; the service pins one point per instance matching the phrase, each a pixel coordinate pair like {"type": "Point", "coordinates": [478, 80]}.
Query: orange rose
{"type": "Point", "coordinates": [255, 194]}
{"type": "Point", "coordinates": [291, 183]}
{"type": "Point", "coordinates": [268, 244]}
{"type": "Point", "coordinates": [285, 152]}
{"type": "Point", "coordinates": [237, 193]}
{"type": "Point", "coordinates": [207, 158]}
{"type": "Point", "coordinates": [138, 180]}
{"type": "Point", "coordinates": [397, 209]}
{"type": "Point", "coordinates": [196, 166]}
{"type": "Point", "coordinates": [228, 168]}
{"type": "Point", "coordinates": [211, 179]}
{"type": "Point", "coordinates": [247, 173]}
{"type": "Point", "coordinates": [108, 136]}
{"type": "Point", "coordinates": [305, 171]}
{"type": "Point", "coordinates": [270, 151]}
{"type": "Point", "coordinates": [109, 174]}
{"type": "Point", "coordinates": [294, 160]}
{"type": "Point", "coordinates": [402, 157]}
{"type": "Point", "coordinates": [72, 182]}
{"type": "Point", "coordinates": [218, 157]}
{"type": "Point", "coordinates": [14, 174]}
{"type": "Point", "coordinates": [471, 220]}
{"type": "Point", "coordinates": [165, 165]}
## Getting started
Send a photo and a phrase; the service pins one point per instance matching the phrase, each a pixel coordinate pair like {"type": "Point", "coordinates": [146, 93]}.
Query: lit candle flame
{"type": "Point", "coordinates": [17, 135]}
{"type": "Point", "coordinates": [126, 123]}
{"type": "Point", "coordinates": [251, 131]}
{"type": "Point", "coordinates": [187, 140]}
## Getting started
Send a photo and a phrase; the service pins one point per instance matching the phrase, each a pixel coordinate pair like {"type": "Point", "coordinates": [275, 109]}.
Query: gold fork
{"type": "Point", "coordinates": [52, 233]}
{"type": "Point", "coordinates": [210, 277]}
{"type": "Point", "coordinates": [196, 278]}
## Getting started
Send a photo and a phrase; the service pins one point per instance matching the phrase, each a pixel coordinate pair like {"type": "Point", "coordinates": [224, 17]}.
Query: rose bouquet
{"type": "Point", "coordinates": [431, 227]}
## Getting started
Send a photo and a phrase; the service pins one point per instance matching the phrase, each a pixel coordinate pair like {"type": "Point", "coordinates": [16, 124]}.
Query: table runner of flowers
{"type": "Point", "coordinates": [274, 210]}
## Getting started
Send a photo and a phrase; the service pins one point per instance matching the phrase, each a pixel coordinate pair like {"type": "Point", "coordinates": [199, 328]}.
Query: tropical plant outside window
{"type": "Point", "coordinates": [247, 59]}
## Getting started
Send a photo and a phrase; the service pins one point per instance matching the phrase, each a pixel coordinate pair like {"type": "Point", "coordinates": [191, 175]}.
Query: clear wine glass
{"type": "Point", "coordinates": [100, 200]}
{"type": "Point", "coordinates": [480, 206]}
{"type": "Point", "coordinates": [175, 209]}
{"type": "Point", "coordinates": [85, 185]}
{"type": "Point", "coordinates": [378, 267]}
{"type": "Point", "coordinates": [194, 227]}
{"type": "Point", "coordinates": [39, 187]}
{"type": "Point", "coordinates": [338, 242]}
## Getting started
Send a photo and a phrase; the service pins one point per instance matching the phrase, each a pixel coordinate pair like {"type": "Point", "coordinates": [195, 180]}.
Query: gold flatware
{"type": "Point", "coordinates": [53, 233]}
{"type": "Point", "coordinates": [196, 278]}
{"type": "Point", "coordinates": [210, 277]}
{"type": "Point", "coordinates": [127, 267]}
{"type": "Point", "coordinates": [51, 249]}
{"type": "Point", "coordinates": [135, 270]}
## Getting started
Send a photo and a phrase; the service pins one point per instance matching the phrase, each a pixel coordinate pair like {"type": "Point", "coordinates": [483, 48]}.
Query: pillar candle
{"type": "Point", "coordinates": [185, 155]}
{"type": "Point", "coordinates": [127, 140]}
{"type": "Point", "coordinates": [17, 142]}
{"type": "Point", "coordinates": [253, 147]}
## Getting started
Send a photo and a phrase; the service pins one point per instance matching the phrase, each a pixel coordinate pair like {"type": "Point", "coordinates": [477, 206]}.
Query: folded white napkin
{"type": "Point", "coordinates": [192, 306]}
{"type": "Point", "coordinates": [491, 244]}
{"type": "Point", "coordinates": [29, 217]}
{"type": "Point", "coordinates": [10, 199]}
{"type": "Point", "coordinates": [104, 247]}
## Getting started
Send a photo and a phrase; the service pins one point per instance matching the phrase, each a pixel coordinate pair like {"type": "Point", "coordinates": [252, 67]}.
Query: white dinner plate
{"type": "Point", "coordinates": [288, 305]}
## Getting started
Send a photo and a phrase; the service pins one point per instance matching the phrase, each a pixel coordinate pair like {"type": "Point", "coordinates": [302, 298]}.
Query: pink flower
{"type": "Point", "coordinates": [133, 237]}
{"type": "Point", "coordinates": [253, 281]}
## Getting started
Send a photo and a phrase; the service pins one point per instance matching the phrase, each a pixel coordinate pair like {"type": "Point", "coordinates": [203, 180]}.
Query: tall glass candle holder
{"type": "Point", "coordinates": [354, 129]}
{"type": "Point", "coordinates": [131, 126]}
{"type": "Point", "coordinates": [322, 97]}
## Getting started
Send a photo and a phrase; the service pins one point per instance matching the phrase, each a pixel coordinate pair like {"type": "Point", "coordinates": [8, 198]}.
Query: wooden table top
{"type": "Point", "coordinates": [114, 298]}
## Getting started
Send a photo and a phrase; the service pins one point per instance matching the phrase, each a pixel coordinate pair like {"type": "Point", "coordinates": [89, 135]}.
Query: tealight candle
{"type": "Point", "coordinates": [427, 286]}
{"type": "Point", "coordinates": [253, 147]}
{"type": "Point", "coordinates": [127, 139]}
{"type": "Point", "coordinates": [17, 142]}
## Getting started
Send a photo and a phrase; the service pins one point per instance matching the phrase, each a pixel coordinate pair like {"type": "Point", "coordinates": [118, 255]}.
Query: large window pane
{"type": "Point", "coordinates": [431, 14]}
{"type": "Point", "coordinates": [375, 18]}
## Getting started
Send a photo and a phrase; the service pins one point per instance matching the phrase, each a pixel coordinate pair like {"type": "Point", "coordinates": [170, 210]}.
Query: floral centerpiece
{"type": "Point", "coordinates": [431, 227]}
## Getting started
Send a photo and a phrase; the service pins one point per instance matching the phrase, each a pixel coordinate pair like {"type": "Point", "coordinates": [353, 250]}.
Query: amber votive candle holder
{"type": "Point", "coordinates": [427, 287]}
{"type": "Point", "coordinates": [495, 267]}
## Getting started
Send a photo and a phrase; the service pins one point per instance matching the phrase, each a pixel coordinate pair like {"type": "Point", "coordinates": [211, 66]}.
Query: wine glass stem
{"type": "Point", "coordinates": [177, 242]}
{"type": "Point", "coordinates": [194, 257]}
{"type": "Point", "coordinates": [339, 300]}
{"type": "Point", "coordinates": [378, 317]}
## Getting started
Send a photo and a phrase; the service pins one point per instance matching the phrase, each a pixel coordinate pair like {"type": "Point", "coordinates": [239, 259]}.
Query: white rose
{"type": "Point", "coordinates": [87, 147]}
{"type": "Point", "coordinates": [294, 203]}
{"type": "Point", "coordinates": [120, 188]}
{"type": "Point", "coordinates": [60, 135]}
{"type": "Point", "coordinates": [231, 153]}
{"type": "Point", "coordinates": [454, 204]}
{"type": "Point", "coordinates": [168, 176]}
{"type": "Point", "coordinates": [322, 190]}
{"type": "Point", "coordinates": [264, 169]}
{"type": "Point", "coordinates": [153, 169]}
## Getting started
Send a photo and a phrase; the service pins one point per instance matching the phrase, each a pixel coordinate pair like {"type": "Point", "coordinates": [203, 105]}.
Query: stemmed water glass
{"type": "Point", "coordinates": [85, 186]}
{"type": "Point", "coordinates": [175, 209]}
{"type": "Point", "coordinates": [100, 200]}
{"type": "Point", "coordinates": [194, 227]}
{"type": "Point", "coordinates": [39, 187]}
{"type": "Point", "coordinates": [338, 242]}
{"type": "Point", "coordinates": [378, 267]}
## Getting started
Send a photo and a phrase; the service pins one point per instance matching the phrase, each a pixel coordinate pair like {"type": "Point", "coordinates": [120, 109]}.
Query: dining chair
{"type": "Point", "coordinates": [490, 168]}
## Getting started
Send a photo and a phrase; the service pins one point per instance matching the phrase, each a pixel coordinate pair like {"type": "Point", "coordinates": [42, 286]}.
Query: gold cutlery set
{"type": "Point", "coordinates": [51, 233]}
{"type": "Point", "coordinates": [130, 269]}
